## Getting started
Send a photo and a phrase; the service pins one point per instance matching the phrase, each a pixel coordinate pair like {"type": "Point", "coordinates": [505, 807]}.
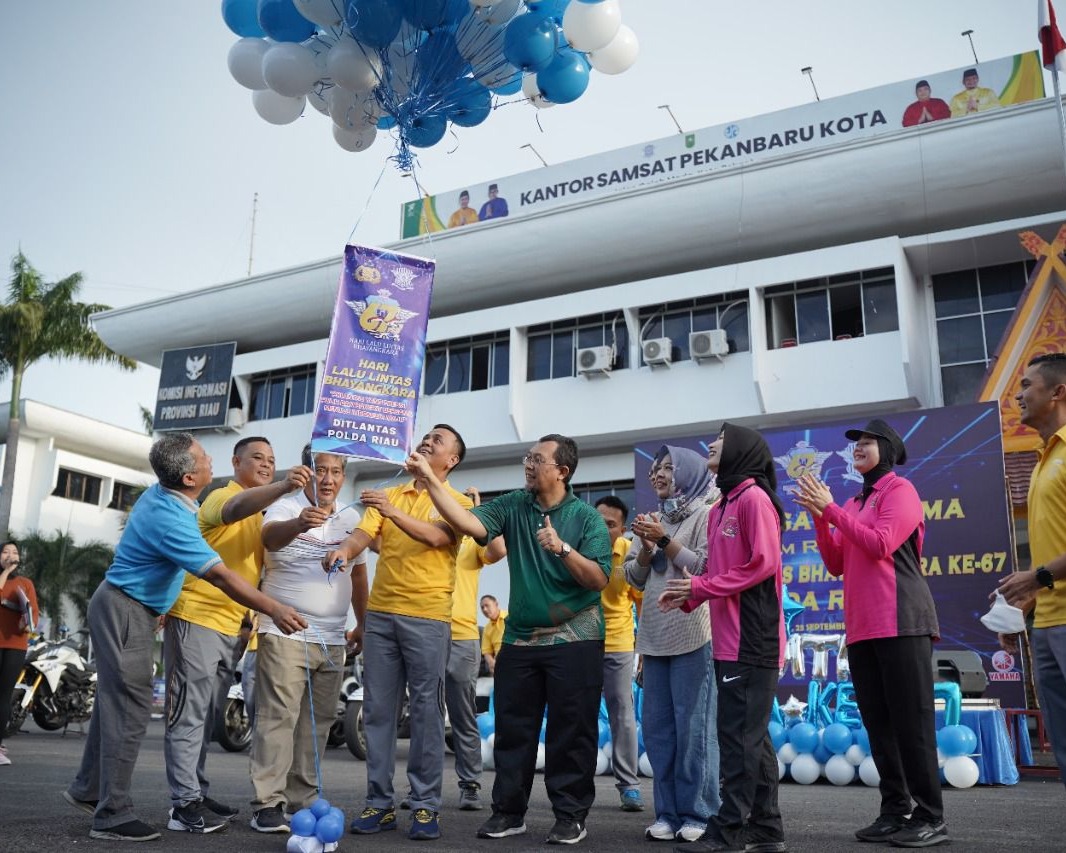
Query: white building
{"type": "Point", "coordinates": [869, 275]}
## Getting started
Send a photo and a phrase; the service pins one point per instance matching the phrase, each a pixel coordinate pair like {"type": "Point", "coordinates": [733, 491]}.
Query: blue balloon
{"type": "Point", "coordinates": [388, 123]}
{"type": "Point", "coordinates": [338, 812]}
{"type": "Point", "coordinates": [803, 736]}
{"type": "Point", "coordinates": [426, 131]}
{"type": "Point", "coordinates": [320, 807]}
{"type": "Point", "coordinates": [375, 23]}
{"type": "Point", "coordinates": [553, 9]}
{"type": "Point", "coordinates": [432, 14]}
{"type": "Point", "coordinates": [530, 42]}
{"type": "Point", "coordinates": [473, 104]}
{"type": "Point", "coordinates": [837, 738]}
{"type": "Point", "coordinates": [778, 735]}
{"type": "Point", "coordinates": [956, 740]}
{"type": "Point", "coordinates": [240, 16]}
{"type": "Point", "coordinates": [303, 823]}
{"type": "Point", "coordinates": [438, 62]}
{"type": "Point", "coordinates": [566, 78]}
{"type": "Point", "coordinates": [486, 723]}
{"type": "Point", "coordinates": [280, 20]}
{"type": "Point", "coordinates": [329, 828]}
{"type": "Point", "coordinates": [511, 87]}
{"type": "Point", "coordinates": [862, 738]}
{"type": "Point", "coordinates": [822, 753]}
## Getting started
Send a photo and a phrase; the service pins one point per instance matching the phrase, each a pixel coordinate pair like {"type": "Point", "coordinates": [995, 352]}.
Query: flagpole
{"type": "Point", "coordinates": [1062, 112]}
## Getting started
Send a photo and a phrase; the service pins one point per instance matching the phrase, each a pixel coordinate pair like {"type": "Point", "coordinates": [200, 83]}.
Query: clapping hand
{"type": "Point", "coordinates": [677, 592]}
{"type": "Point", "coordinates": [813, 495]}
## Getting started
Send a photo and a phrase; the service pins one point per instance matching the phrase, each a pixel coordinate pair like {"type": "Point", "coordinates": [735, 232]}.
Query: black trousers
{"type": "Point", "coordinates": [11, 662]}
{"type": "Point", "coordinates": [893, 680]}
{"type": "Point", "coordinates": [749, 809]}
{"type": "Point", "coordinates": [568, 678]}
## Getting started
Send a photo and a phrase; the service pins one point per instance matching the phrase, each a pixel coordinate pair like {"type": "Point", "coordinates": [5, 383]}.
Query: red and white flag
{"type": "Point", "coordinates": [1052, 44]}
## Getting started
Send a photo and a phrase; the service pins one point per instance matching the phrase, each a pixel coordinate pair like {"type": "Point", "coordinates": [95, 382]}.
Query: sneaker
{"type": "Point", "coordinates": [882, 829]}
{"type": "Point", "coordinates": [132, 830]}
{"type": "Point", "coordinates": [374, 820]}
{"type": "Point", "coordinates": [424, 826]}
{"type": "Point", "coordinates": [778, 846]}
{"type": "Point", "coordinates": [567, 831]}
{"type": "Point", "coordinates": [87, 806]}
{"type": "Point", "coordinates": [195, 817]}
{"type": "Point", "coordinates": [501, 825]}
{"type": "Point", "coordinates": [221, 809]}
{"type": "Point", "coordinates": [4, 760]}
{"type": "Point", "coordinates": [269, 819]}
{"type": "Point", "coordinates": [691, 831]}
{"type": "Point", "coordinates": [661, 830]}
{"type": "Point", "coordinates": [632, 801]}
{"type": "Point", "coordinates": [711, 844]}
{"type": "Point", "coordinates": [920, 834]}
{"type": "Point", "coordinates": [469, 798]}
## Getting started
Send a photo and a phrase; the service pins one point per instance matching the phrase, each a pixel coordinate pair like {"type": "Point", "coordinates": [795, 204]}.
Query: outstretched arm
{"type": "Point", "coordinates": [460, 518]}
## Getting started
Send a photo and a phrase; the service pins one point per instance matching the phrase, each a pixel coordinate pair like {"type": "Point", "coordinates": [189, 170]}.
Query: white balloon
{"type": "Point", "coordinates": [940, 758]}
{"type": "Point", "coordinates": [608, 750]}
{"type": "Point", "coordinates": [532, 91]}
{"type": "Point", "coordinates": [354, 141]}
{"type": "Point", "coordinates": [325, 13]}
{"type": "Point", "coordinates": [540, 756]}
{"type": "Point", "coordinates": [619, 55]}
{"type": "Point", "coordinates": [855, 755]}
{"type": "Point", "coordinates": [318, 98]}
{"type": "Point", "coordinates": [839, 770]}
{"type": "Point", "coordinates": [787, 753]}
{"type": "Point", "coordinates": [868, 772]}
{"type": "Point", "coordinates": [497, 75]}
{"type": "Point", "coordinates": [487, 759]}
{"type": "Point", "coordinates": [320, 45]}
{"type": "Point", "coordinates": [603, 763]}
{"type": "Point", "coordinates": [289, 69]}
{"type": "Point", "coordinates": [277, 109]}
{"type": "Point", "coordinates": [805, 769]}
{"type": "Point", "coordinates": [499, 12]}
{"type": "Point", "coordinates": [644, 765]}
{"type": "Point", "coordinates": [590, 26]}
{"type": "Point", "coordinates": [961, 771]}
{"type": "Point", "coordinates": [245, 62]}
{"type": "Point", "coordinates": [780, 769]}
{"type": "Point", "coordinates": [347, 109]}
{"type": "Point", "coordinates": [480, 3]}
{"type": "Point", "coordinates": [353, 66]}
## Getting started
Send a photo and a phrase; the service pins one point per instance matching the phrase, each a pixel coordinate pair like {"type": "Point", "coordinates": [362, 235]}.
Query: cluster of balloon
{"type": "Point", "coordinates": [317, 829]}
{"type": "Point", "coordinates": [417, 66]}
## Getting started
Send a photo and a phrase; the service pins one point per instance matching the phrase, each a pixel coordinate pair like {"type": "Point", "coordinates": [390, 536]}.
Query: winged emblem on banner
{"type": "Point", "coordinates": [802, 458]}
{"type": "Point", "coordinates": [380, 315]}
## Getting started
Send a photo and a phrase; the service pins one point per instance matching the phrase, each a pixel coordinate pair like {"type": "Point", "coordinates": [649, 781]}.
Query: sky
{"type": "Point", "coordinates": [129, 153]}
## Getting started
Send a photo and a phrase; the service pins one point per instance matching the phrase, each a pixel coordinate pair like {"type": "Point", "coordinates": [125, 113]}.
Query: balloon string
{"type": "Point", "coordinates": [366, 206]}
{"type": "Point", "coordinates": [311, 698]}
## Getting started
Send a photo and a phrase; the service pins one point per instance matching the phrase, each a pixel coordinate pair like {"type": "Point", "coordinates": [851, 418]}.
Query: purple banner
{"type": "Point", "coordinates": [369, 394]}
{"type": "Point", "coordinates": [955, 461]}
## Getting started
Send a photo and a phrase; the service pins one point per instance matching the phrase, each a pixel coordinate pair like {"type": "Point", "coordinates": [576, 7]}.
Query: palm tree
{"type": "Point", "coordinates": [41, 320]}
{"type": "Point", "coordinates": [60, 568]}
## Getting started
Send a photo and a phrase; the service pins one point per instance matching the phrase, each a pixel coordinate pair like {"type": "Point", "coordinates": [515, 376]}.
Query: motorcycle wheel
{"type": "Point", "coordinates": [336, 733]}
{"type": "Point", "coordinates": [232, 729]}
{"type": "Point", "coordinates": [18, 715]}
{"type": "Point", "coordinates": [45, 714]}
{"type": "Point", "coordinates": [354, 733]}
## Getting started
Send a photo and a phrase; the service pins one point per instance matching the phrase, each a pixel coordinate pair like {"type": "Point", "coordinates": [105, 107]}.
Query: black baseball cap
{"type": "Point", "coordinates": [882, 430]}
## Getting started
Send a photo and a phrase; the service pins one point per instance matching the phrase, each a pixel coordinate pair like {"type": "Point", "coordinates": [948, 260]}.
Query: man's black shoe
{"type": "Point", "coordinates": [195, 817]}
{"type": "Point", "coordinates": [501, 825]}
{"type": "Point", "coordinates": [566, 832]}
{"type": "Point", "coordinates": [920, 834]}
{"type": "Point", "coordinates": [133, 830]}
{"type": "Point", "coordinates": [883, 828]}
{"type": "Point", "coordinates": [221, 809]}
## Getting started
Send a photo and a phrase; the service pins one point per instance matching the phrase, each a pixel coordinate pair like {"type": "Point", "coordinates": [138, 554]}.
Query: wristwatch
{"type": "Point", "coordinates": [1044, 577]}
{"type": "Point", "coordinates": [663, 541]}
{"type": "Point", "coordinates": [564, 551]}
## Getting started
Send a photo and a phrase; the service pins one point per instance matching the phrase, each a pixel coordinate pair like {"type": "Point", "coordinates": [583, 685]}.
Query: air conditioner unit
{"type": "Point", "coordinates": [595, 360]}
{"type": "Point", "coordinates": [657, 350]}
{"type": "Point", "coordinates": [235, 418]}
{"type": "Point", "coordinates": [709, 344]}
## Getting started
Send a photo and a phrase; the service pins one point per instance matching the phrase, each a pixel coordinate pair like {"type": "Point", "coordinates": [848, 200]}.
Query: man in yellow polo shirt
{"type": "Point", "coordinates": [618, 647]}
{"type": "Point", "coordinates": [492, 637]}
{"type": "Point", "coordinates": [1042, 401]}
{"type": "Point", "coordinates": [407, 637]}
{"type": "Point", "coordinates": [202, 628]}
{"type": "Point", "coordinates": [460, 682]}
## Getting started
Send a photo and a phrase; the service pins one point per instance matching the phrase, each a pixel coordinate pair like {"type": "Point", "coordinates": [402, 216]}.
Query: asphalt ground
{"type": "Point", "coordinates": [820, 818]}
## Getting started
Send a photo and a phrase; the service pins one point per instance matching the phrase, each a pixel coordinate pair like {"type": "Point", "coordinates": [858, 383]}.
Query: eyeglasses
{"type": "Point", "coordinates": [536, 461]}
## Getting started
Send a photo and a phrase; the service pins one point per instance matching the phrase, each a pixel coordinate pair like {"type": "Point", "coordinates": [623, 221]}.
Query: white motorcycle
{"type": "Point", "coordinates": [57, 687]}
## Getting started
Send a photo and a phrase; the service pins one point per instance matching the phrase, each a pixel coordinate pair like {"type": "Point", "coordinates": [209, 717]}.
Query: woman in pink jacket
{"type": "Point", "coordinates": [875, 541]}
{"type": "Point", "coordinates": [743, 585]}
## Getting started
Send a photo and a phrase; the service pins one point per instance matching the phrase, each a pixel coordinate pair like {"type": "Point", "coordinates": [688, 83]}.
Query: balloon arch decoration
{"type": "Point", "coordinates": [412, 67]}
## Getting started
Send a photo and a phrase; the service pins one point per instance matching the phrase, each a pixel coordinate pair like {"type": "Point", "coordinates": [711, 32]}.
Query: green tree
{"type": "Point", "coordinates": [38, 321]}
{"type": "Point", "coordinates": [61, 568]}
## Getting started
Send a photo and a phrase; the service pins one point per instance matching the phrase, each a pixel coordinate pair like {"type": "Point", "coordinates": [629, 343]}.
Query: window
{"type": "Point", "coordinates": [675, 320]}
{"type": "Point", "coordinates": [283, 393]}
{"type": "Point", "coordinates": [123, 496]}
{"type": "Point", "coordinates": [552, 346]}
{"type": "Point", "coordinates": [76, 486]}
{"type": "Point", "coordinates": [622, 489]}
{"type": "Point", "coordinates": [467, 364]}
{"type": "Point", "coordinates": [973, 309]}
{"type": "Point", "coordinates": [831, 308]}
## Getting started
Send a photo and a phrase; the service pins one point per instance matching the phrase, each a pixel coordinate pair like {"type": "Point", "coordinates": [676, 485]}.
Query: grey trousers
{"type": "Point", "coordinates": [618, 691]}
{"type": "Point", "coordinates": [198, 663]}
{"type": "Point", "coordinates": [1049, 661]}
{"type": "Point", "coordinates": [122, 632]}
{"type": "Point", "coordinates": [460, 695]}
{"type": "Point", "coordinates": [399, 650]}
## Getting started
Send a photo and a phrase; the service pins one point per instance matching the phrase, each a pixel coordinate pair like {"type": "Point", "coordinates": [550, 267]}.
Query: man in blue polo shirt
{"type": "Point", "coordinates": [160, 544]}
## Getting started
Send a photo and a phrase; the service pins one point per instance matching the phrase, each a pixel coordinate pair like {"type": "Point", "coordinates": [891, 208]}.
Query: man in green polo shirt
{"type": "Point", "coordinates": [559, 557]}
